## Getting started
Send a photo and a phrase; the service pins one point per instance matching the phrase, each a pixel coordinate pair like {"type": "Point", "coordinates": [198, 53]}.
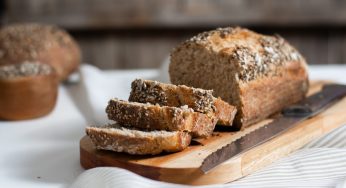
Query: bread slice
{"type": "Point", "coordinates": [258, 74]}
{"type": "Point", "coordinates": [136, 142]}
{"type": "Point", "coordinates": [199, 100]}
{"type": "Point", "coordinates": [224, 112]}
{"type": "Point", "coordinates": [154, 92]}
{"type": "Point", "coordinates": [154, 117]}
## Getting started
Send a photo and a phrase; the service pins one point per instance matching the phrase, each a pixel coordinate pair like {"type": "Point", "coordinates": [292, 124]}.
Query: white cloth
{"type": "Point", "coordinates": [45, 152]}
{"type": "Point", "coordinates": [97, 87]}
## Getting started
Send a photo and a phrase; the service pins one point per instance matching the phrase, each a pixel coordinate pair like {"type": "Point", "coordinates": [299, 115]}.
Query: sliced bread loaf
{"type": "Point", "coordinates": [136, 142]}
{"type": "Point", "coordinates": [147, 116]}
{"type": "Point", "coordinates": [199, 100]}
{"type": "Point", "coordinates": [258, 74]}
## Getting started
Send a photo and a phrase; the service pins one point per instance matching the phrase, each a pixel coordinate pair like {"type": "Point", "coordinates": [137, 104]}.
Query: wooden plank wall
{"type": "Point", "coordinates": [123, 34]}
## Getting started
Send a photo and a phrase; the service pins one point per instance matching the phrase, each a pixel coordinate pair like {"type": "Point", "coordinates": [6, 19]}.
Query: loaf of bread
{"type": "Point", "coordinates": [199, 100]}
{"type": "Point", "coordinates": [27, 90]}
{"type": "Point", "coordinates": [136, 142]}
{"type": "Point", "coordinates": [42, 43]}
{"type": "Point", "coordinates": [258, 74]}
{"type": "Point", "coordinates": [154, 117]}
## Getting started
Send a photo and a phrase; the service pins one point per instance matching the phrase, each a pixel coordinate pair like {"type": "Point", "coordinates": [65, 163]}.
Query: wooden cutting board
{"type": "Point", "coordinates": [183, 167]}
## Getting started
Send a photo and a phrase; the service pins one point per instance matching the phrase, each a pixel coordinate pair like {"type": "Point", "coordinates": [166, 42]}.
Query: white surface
{"type": "Point", "coordinates": [45, 152]}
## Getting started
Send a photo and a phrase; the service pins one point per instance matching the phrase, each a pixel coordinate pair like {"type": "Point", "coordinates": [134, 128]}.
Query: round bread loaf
{"type": "Point", "coordinates": [27, 90]}
{"type": "Point", "coordinates": [42, 43]}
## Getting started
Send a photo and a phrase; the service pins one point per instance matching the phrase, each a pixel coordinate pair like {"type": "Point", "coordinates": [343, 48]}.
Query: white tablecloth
{"type": "Point", "coordinates": [44, 152]}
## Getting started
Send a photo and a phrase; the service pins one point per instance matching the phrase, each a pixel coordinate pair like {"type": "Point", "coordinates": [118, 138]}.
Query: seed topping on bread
{"type": "Point", "coordinates": [30, 42]}
{"type": "Point", "coordinates": [144, 91]}
{"type": "Point", "coordinates": [24, 69]}
{"type": "Point", "coordinates": [262, 59]}
{"type": "Point", "coordinates": [203, 37]}
{"type": "Point", "coordinates": [275, 53]}
{"type": "Point", "coordinates": [152, 91]}
{"type": "Point", "coordinates": [205, 102]}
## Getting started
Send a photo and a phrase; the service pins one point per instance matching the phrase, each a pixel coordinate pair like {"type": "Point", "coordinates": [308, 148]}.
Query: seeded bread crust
{"type": "Point", "coordinates": [258, 74]}
{"type": "Point", "coordinates": [136, 142]}
{"type": "Point", "coordinates": [155, 117]}
{"type": "Point", "coordinates": [38, 42]}
{"type": "Point", "coordinates": [199, 100]}
{"type": "Point", "coordinates": [154, 92]}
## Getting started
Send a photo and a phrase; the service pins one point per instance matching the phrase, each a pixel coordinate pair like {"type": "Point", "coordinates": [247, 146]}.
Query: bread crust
{"type": "Point", "coordinates": [135, 142]}
{"type": "Point", "coordinates": [287, 89]}
{"type": "Point", "coordinates": [258, 74]}
{"type": "Point", "coordinates": [154, 92]}
{"type": "Point", "coordinates": [155, 117]}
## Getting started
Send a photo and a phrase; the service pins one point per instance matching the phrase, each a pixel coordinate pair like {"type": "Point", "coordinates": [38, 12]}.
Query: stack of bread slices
{"type": "Point", "coordinates": [160, 118]}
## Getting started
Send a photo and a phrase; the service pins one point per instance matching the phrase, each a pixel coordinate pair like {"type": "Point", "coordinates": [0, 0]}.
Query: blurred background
{"type": "Point", "coordinates": [129, 34]}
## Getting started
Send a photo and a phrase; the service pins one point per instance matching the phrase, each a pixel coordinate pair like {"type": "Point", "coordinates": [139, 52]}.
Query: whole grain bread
{"type": "Point", "coordinates": [147, 116]}
{"type": "Point", "coordinates": [38, 42]}
{"type": "Point", "coordinates": [258, 74]}
{"type": "Point", "coordinates": [199, 100]}
{"type": "Point", "coordinates": [136, 142]}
